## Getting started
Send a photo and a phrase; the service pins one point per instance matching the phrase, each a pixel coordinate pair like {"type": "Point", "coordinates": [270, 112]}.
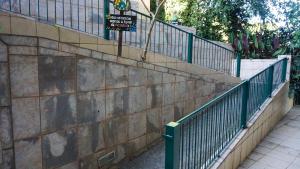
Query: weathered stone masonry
{"type": "Point", "coordinates": [62, 106]}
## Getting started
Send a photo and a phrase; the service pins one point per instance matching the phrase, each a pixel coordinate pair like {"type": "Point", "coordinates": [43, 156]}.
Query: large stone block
{"type": "Point", "coordinates": [19, 40]}
{"type": "Point", "coordinates": [190, 89]}
{"type": "Point", "coordinates": [28, 26]}
{"type": "Point", "coordinates": [116, 75]}
{"type": "Point", "coordinates": [137, 125]}
{"type": "Point", "coordinates": [46, 43]}
{"type": "Point", "coordinates": [137, 76]}
{"type": "Point", "coordinates": [90, 139]}
{"type": "Point", "coordinates": [154, 77]}
{"type": "Point", "coordinates": [8, 159]}
{"type": "Point", "coordinates": [97, 55]}
{"type": "Point", "coordinates": [180, 91]}
{"type": "Point", "coordinates": [28, 153]}
{"type": "Point", "coordinates": [90, 74]}
{"type": "Point", "coordinates": [91, 107]}
{"type": "Point", "coordinates": [3, 52]}
{"type": "Point", "coordinates": [116, 131]}
{"type": "Point", "coordinates": [22, 50]}
{"type": "Point", "coordinates": [68, 36]}
{"type": "Point", "coordinates": [189, 106]}
{"type": "Point", "coordinates": [5, 128]}
{"type": "Point", "coordinates": [51, 52]}
{"type": "Point", "coordinates": [168, 93]}
{"type": "Point", "coordinates": [84, 52]}
{"type": "Point", "coordinates": [125, 61]}
{"type": "Point", "coordinates": [111, 58]}
{"type": "Point", "coordinates": [168, 78]}
{"type": "Point", "coordinates": [57, 75]}
{"type": "Point", "coordinates": [134, 147]}
{"type": "Point", "coordinates": [154, 96]}
{"type": "Point", "coordinates": [137, 99]}
{"type": "Point", "coordinates": [47, 31]}
{"type": "Point", "coordinates": [179, 110]}
{"type": "Point", "coordinates": [26, 117]}
{"type": "Point", "coordinates": [57, 112]}
{"type": "Point", "coordinates": [4, 85]}
{"type": "Point", "coordinates": [24, 76]}
{"type": "Point", "coordinates": [208, 89]}
{"type": "Point", "coordinates": [65, 47]}
{"type": "Point", "coordinates": [167, 114]}
{"type": "Point", "coordinates": [59, 148]}
{"type": "Point", "coordinates": [153, 120]}
{"type": "Point", "coordinates": [116, 102]}
{"type": "Point", "coordinates": [5, 23]}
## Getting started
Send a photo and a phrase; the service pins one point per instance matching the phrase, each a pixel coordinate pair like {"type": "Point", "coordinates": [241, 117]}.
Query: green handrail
{"type": "Point", "coordinates": [196, 140]}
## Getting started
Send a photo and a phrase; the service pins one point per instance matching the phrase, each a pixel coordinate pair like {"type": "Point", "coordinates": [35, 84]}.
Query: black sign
{"type": "Point", "coordinates": [121, 22]}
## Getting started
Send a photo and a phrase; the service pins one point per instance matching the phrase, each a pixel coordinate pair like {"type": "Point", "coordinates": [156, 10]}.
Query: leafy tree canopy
{"type": "Point", "coordinates": [215, 19]}
{"type": "Point", "coordinates": [277, 31]}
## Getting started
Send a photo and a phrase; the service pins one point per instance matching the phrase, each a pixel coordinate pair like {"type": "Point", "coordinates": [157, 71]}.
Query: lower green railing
{"type": "Point", "coordinates": [198, 139]}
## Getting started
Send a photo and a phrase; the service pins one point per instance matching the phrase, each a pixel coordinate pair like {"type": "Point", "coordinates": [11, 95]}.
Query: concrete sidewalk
{"type": "Point", "coordinates": [281, 148]}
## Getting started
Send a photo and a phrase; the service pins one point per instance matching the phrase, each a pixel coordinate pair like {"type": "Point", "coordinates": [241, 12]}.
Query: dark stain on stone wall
{"type": "Point", "coordinates": [154, 96]}
{"type": "Point", "coordinates": [95, 136]}
{"type": "Point", "coordinates": [59, 148]}
{"type": "Point", "coordinates": [59, 111]}
{"type": "Point", "coordinates": [56, 75]}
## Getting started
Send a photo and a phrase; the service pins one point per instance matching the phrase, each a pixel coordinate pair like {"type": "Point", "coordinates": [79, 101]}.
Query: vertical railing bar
{"type": "Point", "coordinates": [216, 130]}
{"type": "Point", "coordinates": [63, 6]}
{"type": "Point", "coordinates": [98, 17]}
{"type": "Point", "coordinates": [182, 145]}
{"type": "Point", "coordinates": [78, 23]}
{"type": "Point", "coordinates": [141, 32]}
{"type": "Point", "coordinates": [47, 10]}
{"type": "Point", "coordinates": [71, 14]}
{"type": "Point", "coordinates": [29, 10]}
{"type": "Point", "coordinates": [189, 144]}
{"type": "Point", "coordinates": [20, 7]}
{"type": "Point", "coordinates": [201, 143]}
{"type": "Point", "coordinates": [10, 5]}
{"type": "Point", "coordinates": [84, 15]}
{"type": "Point", "coordinates": [55, 6]}
{"type": "Point", "coordinates": [198, 142]}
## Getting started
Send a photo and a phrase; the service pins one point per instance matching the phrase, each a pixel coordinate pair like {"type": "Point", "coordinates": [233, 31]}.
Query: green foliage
{"type": "Point", "coordinates": [214, 19]}
{"type": "Point", "coordinates": [162, 13]}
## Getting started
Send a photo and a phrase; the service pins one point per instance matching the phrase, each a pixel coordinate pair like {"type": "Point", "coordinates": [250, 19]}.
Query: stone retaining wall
{"type": "Point", "coordinates": [65, 106]}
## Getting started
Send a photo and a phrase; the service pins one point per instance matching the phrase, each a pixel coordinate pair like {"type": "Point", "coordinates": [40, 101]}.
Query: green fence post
{"type": "Point", "coordinates": [284, 69]}
{"type": "Point", "coordinates": [105, 13]}
{"type": "Point", "coordinates": [245, 98]}
{"type": "Point", "coordinates": [190, 48]}
{"type": "Point", "coordinates": [238, 65]}
{"type": "Point", "coordinates": [270, 80]}
{"type": "Point", "coordinates": [172, 141]}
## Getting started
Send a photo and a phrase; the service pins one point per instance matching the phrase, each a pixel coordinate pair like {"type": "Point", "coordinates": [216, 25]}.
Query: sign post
{"type": "Point", "coordinates": [120, 38]}
{"type": "Point", "coordinates": [121, 22]}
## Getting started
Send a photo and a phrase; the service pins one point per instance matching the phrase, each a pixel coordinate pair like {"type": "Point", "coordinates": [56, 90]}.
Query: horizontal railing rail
{"type": "Point", "coordinates": [198, 139]}
{"type": "Point", "coordinates": [89, 16]}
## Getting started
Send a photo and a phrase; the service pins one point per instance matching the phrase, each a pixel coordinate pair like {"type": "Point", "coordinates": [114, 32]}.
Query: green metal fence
{"type": "Point", "coordinates": [88, 16]}
{"type": "Point", "coordinates": [198, 139]}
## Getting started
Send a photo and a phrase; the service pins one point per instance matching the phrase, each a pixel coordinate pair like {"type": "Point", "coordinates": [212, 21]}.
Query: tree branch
{"type": "Point", "coordinates": [148, 10]}
{"type": "Point", "coordinates": [150, 30]}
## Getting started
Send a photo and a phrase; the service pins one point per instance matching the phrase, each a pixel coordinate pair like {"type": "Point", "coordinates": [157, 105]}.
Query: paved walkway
{"type": "Point", "coordinates": [281, 148]}
{"type": "Point", "coordinates": [151, 159]}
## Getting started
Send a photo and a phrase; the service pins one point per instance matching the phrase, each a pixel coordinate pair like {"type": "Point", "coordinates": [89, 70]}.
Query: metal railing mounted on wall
{"type": "Point", "coordinates": [88, 16]}
{"type": "Point", "coordinates": [198, 139]}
